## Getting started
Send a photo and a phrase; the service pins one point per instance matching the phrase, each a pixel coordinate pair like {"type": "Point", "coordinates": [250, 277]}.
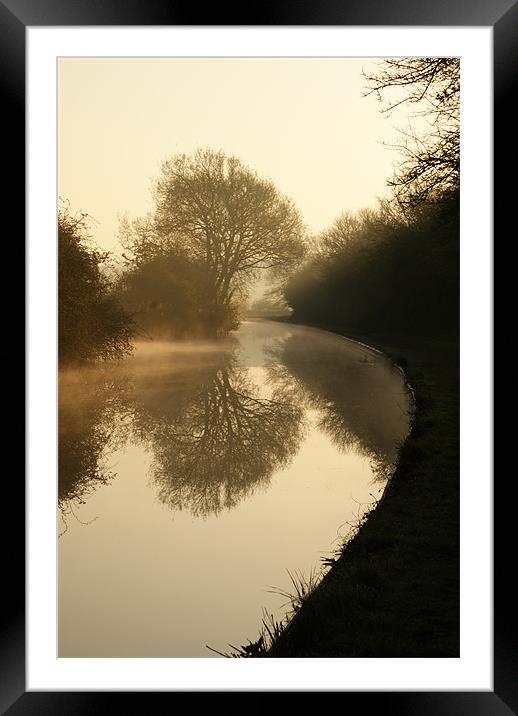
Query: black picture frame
{"type": "Point", "coordinates": [15, 17]}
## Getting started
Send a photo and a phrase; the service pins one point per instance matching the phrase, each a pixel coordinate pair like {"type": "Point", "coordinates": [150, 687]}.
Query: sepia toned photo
{"type": "Point", "coordinates": [258, 344]}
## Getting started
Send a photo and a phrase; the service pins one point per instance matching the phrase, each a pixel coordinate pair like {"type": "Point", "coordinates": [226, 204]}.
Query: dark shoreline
{"type": "Point", "coordinates": [394, 589]}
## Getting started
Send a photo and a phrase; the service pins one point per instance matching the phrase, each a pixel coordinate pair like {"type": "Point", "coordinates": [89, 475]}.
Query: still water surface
{"type": "Point", "coordinates": [193, 475]}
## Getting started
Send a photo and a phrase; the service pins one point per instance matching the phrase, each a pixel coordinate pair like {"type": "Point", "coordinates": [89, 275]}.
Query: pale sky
{"type": "Point", "coordinates": [301, 122]}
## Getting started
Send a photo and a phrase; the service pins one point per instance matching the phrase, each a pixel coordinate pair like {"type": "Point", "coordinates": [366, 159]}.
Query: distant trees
{"type": "Point", "coordinates": [92, 323]}
{"type": "Point", "coordinates": [225, 222]}
{"type": "Point", "coordinates": [271, 304]}
{"type": "Point", "coordinates": [430, 152]}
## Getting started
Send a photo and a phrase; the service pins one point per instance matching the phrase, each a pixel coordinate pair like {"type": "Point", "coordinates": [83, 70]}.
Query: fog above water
{"type": "Point", "coordinates": [192, 475]}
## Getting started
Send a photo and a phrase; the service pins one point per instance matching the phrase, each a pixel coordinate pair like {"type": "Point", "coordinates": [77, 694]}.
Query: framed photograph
{"type": "Point", "coordinates": [197, 199]}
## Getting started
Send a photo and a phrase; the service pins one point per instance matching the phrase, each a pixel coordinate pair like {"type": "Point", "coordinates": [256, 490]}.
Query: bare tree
{"type": "Point", "coordinates": [225, 217]}
{"type": "Point", "coordinates": [430, 165]}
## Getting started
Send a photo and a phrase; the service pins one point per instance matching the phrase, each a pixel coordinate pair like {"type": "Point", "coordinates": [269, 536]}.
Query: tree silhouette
{"type": "Point", "coordinates": [430, 164]}
{"type": "Point", "coordinates": [226, 219]}
{"type": "Point", "coordinates": [92, 322]}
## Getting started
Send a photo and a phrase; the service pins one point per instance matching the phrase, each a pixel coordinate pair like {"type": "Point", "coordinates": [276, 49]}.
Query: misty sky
{"type": "Point", "coordinates": [301, 122]}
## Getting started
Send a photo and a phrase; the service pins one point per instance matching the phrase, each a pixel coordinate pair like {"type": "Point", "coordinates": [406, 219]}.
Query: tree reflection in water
{"type": "Point", "coordinates": [361, 407]}
{"type": "Point", "coordinates": [93, 421]}
{"type": "Point", "coordinates": [214, 439]}
{"type": "Point", "coordinates": [212, 434]}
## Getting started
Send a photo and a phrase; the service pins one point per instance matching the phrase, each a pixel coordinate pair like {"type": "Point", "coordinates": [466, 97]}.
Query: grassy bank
{"type": "Point", "coordinates": [393, 591]}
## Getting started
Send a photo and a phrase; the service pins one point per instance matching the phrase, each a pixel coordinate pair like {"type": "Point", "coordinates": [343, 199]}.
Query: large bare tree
{"type": "Point", "coordinates": [225, 217]}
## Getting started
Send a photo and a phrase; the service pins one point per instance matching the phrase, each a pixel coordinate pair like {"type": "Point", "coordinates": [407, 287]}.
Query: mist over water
{"type": "Point", "coordinates": [194, 474]}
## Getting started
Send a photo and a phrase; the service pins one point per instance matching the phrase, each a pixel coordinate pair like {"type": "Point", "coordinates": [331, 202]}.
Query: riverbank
{"type": "Point", "coordinates": [393, 591]}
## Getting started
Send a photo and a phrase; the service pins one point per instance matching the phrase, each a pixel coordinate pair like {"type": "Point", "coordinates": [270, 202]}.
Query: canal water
{"type": "Point", "coordinates": [194, 477]}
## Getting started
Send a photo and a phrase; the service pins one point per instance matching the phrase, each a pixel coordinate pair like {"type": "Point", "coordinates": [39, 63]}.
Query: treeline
{"type": "Point", "coordinates": [384, 271]}
{"type": "Point", "coordinates": [215, 224]}
{"type": "Point", "coordinates": [397, 268]}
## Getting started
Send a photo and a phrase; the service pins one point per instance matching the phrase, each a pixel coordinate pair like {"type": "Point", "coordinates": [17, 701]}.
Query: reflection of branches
{"type": "Point", "coordinates": [91, 411]}
{"type": "Point", "coordinates": [213, 436]}
{"type": "Point", "coordinates": [218, 441]}
{"type": "Point", "coordinates": [68, 509]}
{"type": "Point", "coordinates": [358, 406]}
